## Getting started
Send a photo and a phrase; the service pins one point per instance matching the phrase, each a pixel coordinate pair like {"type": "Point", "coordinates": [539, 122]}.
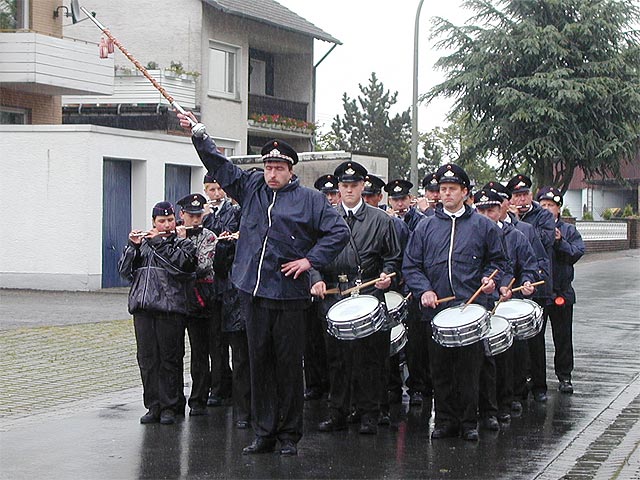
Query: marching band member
{"type": "Point", "coordinates": [373, 251]}
{"type": "Point", "coordinates": [496, 381]}
{"type": "Point", "coordinates": [543, 223]}
{"type": "Point", "coordinates": [223, 218]}
{"type": "Point", "coordinates": [200, 299]}
{"type": "Point", "coordinates": [568, 248]}
{"type": "Point", "coordinates": [285, 230]}
{"type": "Point", "coordinates": [431, 199]}
{"type": "Point", "coordinates": [159, 265]}
{"type": "Point", "coordinates": [453, 253]}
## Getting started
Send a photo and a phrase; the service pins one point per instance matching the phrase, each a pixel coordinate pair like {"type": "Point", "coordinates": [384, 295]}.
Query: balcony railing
{"type": "Point", "coordinates": [260, 104]}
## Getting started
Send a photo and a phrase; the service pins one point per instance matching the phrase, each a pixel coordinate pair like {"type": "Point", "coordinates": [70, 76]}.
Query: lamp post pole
{"type": "Point", "coordinates": [414, 105]}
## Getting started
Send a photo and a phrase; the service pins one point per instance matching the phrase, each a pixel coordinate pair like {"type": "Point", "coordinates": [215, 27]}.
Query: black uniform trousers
{"type": "Point", "coordinates": [160, 346]}
{"type": "Point", "coordinates": [487, 399]}
{"type": "Point", "coordinates": [561, 318]}
{"type": "Point", "coordinates": [241, 376]}
{"type": "Point", "coordinates": [357, 366]}
{"type": "Point", "coordinates": [455, 372]}
{"type": "Point", "coordinates": [315, 353]}
{"type": "Point", "coordinates": [418, 334]}
{"type": "Point", "coordinates": [198, 332]}
{"type": "Point", "coordinates": [221, 376]}
{"type": "Point", "coordinates": [504, 379]}
{"type": "Point", "coordinates": [276, 346]}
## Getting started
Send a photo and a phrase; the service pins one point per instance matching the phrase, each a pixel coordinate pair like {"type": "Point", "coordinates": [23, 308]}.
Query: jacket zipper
{"type": "Point", "coordinates": [453, 232]}
{"type": "Point", "coordinates": [264, 245]}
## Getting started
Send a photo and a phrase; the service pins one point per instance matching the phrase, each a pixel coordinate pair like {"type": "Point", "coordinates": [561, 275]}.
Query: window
{"type": "Point", "coordinates": [13, 116]}
{"type": "Point", "coordinates": [260, 72]}
{"type": "Point", "coordinates": [227, 147]}
{"type": "Point", "coordinates": [14, 14]}
{"type": "Point", "coordinates": [223, 70]}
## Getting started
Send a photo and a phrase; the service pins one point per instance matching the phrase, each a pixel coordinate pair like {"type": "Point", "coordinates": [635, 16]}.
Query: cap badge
{"type": "Point", "coordinates": [433, 181]}
{"type": "Point", "coordinates": [350, 171]}
{"type": "Point", "coordinates": [556, 198]}
{"type": "Point", "coordinates": [274, 152]}
{"type": "Point", "coordinates": [196, 203]}
{"type": "Point", "coordinates": [521, 184]}
{"type": "Point", "coordinates": [368, 184]}
{"type": "Point", "coordinates": [484, 198]}
{"type": "Point", "coordinates": [449, 173]}
{"type": "Point", "coordinates": [397, 188]}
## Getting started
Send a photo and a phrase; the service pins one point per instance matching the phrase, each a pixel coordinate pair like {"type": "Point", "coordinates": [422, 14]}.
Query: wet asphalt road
{"type": "Point", "coordinates": [101, 437]}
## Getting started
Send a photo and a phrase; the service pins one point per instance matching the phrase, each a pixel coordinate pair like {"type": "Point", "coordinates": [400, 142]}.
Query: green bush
{"type": "Point", "coordinates": [587, 217]}
{"type": "Point", "coordinates": [566, 212]}
{"type": "Point", "coordinates": [607, 214]}
{"type": "Point", "coordinates": [628, 211]}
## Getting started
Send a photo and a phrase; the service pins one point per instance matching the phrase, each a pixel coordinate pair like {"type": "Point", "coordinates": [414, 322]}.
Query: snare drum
{"type": "Point", "coordinates": [355, 317]}
{"type": "Point", "coordinates": [500, 336]}
{"type": "Point", "coordinates": [397, 307]}
{"type": "Point", "coordinates": [398, 339]}
{"type": "Point", "coordinates": [525, 317]}
{"type": "Point", "coordinates": [460, 326]}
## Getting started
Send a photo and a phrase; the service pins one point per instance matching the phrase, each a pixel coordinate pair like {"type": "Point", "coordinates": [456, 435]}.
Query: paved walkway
{"type": "Point", "coordinates": [61, 419]}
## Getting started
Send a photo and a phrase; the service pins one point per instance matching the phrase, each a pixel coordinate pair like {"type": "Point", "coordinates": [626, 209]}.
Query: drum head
{"type": "Point", "coordinates": [457, 316]}
{"type": "Point", "coordinates": [498, 325]}
{"type": "Point", "coordinates": [393, 300]}
{"type": "Point", "coordinates": [515, 308]}
{"type": "Point", "coordinates": [397, 332]}
{"type": "Point", "coordinates": [353, 308]}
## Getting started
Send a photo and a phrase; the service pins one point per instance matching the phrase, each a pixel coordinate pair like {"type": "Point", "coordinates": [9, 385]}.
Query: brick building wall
{"type": "Point", "coordinates": [42, 20]}
{"type": "Point", "coordinates": [43, 109]}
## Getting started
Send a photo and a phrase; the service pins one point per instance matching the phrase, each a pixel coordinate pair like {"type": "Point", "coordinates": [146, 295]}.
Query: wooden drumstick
{"type": "Point", "coordinates": [513, 280]}
{"type": "Point", "coordinates": [475, 295]}
{"type": "Point", "coordinates": [522, 287]}
{"type": "Point", "coordinates": [445, 299]}
{"type": "Point", "coordinates": [366, 284]}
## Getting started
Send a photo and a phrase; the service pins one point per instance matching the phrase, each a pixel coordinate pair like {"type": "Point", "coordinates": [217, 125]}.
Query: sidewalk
{"type": "Point", "coordinates": [72, 399]}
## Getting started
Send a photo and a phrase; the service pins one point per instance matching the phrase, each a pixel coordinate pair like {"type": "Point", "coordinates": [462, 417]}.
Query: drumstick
{"type": "Point", "coordinates": [522, 287]}
{"type": "Point", "coordinates": [366, 284]}
{"type": "Point", "coordinates": [513, 280]}
{"type": "Point", "coordinates": [475, 295]}
{"type": "Point", "coordinates": [445, 299]}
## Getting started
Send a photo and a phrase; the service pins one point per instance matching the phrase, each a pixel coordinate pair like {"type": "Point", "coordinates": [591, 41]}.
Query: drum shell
{"type": "Point", "coordinates": [398, 339]}
{"type": "Point", "coordinates": [397, 309]}
{"type": "Point", "coordinates": [466, 332]}
{"type": "Point", "coordinates": [360, 325]}
{"type": "Point", "coordinates": [498, 341]}
{"type": "Point", "coordinates": [525, 317]}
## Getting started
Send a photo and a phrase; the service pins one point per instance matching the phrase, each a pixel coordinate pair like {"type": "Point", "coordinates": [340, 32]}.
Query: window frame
{"type": "Point", "coordinates": [25, 112]}
{"type": "Point", "coordinates": [227, 49]}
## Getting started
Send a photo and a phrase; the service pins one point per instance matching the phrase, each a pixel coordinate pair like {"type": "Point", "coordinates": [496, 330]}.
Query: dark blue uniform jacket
{"type": "Point", "coordinates": [566, 252]}
{"type": "Point", "coordinates": [276, 227]}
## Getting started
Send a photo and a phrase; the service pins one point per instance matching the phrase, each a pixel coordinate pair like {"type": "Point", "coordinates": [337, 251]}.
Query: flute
{"type": "Point", "coordinates": [166, 232]}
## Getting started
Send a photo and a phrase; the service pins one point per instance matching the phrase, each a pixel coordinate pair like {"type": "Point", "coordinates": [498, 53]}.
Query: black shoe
{"type": "Point", "coordinates": [260, 445]}
{"type": "Point", "coordinates": [215, 401]}
{"type": "Point", "coordinates": [491, 423]}
{"type": "Point", "coordinates": [540, 397]}
{"type": "Point", "coordinates": [333, 424]}
{"type": "Point", "coordinates": [368, 426]}
{"type": "Point", "coordinates": [565, 387]}
{"type": "Point", "coordinates": [444, 431]}
{"type": "Point", "coordinates": [354, 417]}
{"type": "Point", "coordinates": [288, 448]}
{"type": "Point", "coordinates": [516, 406]}
{"type": "Point", "coordinates": [313, 394]}
{"type": "Point", "coordinates": [385, 419]}
{"type": "Point", "coordinates": [415, 398]}
{"type": "Point", "coordinates": [242, 424]}
{"type": "Point", "coordinates": [151, 416]}
{"type": "Point", "coordinates": [197, 411]}
{"type": "Point", "coordinates": [167, 417]}
{"type": "Point", "coordinates": [504, 417]}
{"type": "Point", "coordinates": [471, 435]}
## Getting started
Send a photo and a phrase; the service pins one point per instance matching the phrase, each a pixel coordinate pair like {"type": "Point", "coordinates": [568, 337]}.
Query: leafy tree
{"type": "Point", "coordinates": [8, 10]}
{"type": "Point", "coordinates": [547, 85]}
{"type": "Point", "coordinates": [367, 126]}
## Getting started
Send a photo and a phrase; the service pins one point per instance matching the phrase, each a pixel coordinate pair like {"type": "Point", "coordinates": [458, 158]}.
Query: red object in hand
{"type": "Point", "coordinates": [559, 301]}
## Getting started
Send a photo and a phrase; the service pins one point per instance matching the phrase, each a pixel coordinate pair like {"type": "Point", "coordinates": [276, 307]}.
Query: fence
{"type": "Point", "coordinates": [609, 236]}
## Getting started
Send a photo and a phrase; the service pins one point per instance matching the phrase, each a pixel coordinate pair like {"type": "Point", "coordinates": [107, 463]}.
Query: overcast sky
{"type": "Point", "coordinates": [377, 36]}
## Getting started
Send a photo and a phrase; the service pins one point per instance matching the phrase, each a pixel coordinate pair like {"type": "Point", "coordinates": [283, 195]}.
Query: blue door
{"type": "Point", "coordinates": [116, 218]}
{"type": "Point", "coordinates": [177, 184]}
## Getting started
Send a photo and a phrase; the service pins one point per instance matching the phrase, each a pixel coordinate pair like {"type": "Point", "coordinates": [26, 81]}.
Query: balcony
{"type": "Point", "coordinates": [260, 104]}
{"type": "Point", "coordinates": [132, 88]}
{"type": "Point", "coordinates": [35, 63]}
{"type": "Point", "coordinates": [269, 117]}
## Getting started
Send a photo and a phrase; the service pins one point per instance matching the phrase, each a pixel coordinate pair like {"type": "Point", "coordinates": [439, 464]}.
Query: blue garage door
{"type": "Point", "coordinates": [177, 183]}
{"type": "Point", "coordinates": [116, 218]}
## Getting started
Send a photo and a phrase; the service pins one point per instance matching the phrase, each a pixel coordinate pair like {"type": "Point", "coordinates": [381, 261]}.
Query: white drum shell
{"type": "Point", "coordinates": [355, 317]}
{"type": "Point", "coordinates": [525, 317]}
{"type": "Point", "coordinates": [460, 326]}
{"type": "Point", "coordinates": [500, 337]}
{"type": "Point", "coordinates": [397, 308]}
{"type": "Point", "coordinates": [398, 339]}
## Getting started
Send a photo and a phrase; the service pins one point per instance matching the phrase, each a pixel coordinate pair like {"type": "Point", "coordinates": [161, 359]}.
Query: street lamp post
{"type": "Point", "coordinates": [414, 105]}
